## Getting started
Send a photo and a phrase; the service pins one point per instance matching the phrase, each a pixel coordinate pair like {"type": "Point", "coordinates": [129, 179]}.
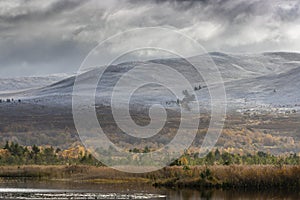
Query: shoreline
{"type": "Point", "coordinates": [214, 177]}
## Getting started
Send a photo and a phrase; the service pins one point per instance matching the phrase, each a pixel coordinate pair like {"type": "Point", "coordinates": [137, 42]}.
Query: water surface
{"type": "Point", "coordinates": [43, 190]}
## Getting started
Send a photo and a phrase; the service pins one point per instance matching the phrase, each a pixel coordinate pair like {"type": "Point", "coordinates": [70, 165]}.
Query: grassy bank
{"type": "Point", "coordinates": [69, 173]}
{"type": "Point", "coordinates": [234, 176]}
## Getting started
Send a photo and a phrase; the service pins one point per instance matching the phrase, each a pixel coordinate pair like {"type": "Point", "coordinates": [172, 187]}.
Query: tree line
{"type": "Point", "coordinates": [217, 157]}
{"type": "Point", "coordinates": [14, 154]}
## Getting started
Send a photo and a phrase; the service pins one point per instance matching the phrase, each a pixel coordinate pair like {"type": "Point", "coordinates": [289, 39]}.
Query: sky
{"type": "Point", "coordinates": [39, 37]}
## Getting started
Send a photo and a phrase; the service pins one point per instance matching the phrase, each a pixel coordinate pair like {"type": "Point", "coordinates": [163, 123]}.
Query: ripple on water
{"type": "Point", "coordinates": [42, 194]}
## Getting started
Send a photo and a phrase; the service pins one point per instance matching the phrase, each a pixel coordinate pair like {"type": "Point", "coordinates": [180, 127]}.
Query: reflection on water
{"type": "Point", "coordinates": [29, 189]}
{"type": "Point", "coordinates": [43, 194]}
{"type": "Point", "coordinates": [233, 194]}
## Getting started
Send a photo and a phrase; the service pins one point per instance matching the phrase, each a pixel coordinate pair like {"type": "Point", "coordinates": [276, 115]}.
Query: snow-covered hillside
{"type": "Point", "coordinates": [250, 79]}
{"type": "Point", "coordinates": [22, 83]}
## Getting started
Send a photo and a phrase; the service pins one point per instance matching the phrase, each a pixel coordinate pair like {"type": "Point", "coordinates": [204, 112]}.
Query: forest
{"type": "Point", "coordinates": [14, 154]}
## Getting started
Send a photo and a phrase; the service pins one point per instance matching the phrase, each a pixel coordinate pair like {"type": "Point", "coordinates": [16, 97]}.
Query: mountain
{"type": "Point", "coordinates": [250, 79]}
{"type": "Point", "coordinates": [262, 90]}
{"type": "Point", "coordinates": [22, 83]}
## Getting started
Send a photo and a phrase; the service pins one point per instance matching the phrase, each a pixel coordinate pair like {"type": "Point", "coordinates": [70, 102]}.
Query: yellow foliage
{"type": "Point", "coordinates": [74, 152]}
{"type": "Point", "coordinates": [183, 161]}
{"type": "Point", "coordinates": [4, 153]}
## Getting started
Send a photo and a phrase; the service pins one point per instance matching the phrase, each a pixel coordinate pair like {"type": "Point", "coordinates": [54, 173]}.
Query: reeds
{"type": "Point", "coordinates": [234, 176]}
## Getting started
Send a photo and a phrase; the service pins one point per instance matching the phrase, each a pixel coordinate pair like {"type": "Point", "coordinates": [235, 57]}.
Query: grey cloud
{"type": "Point", "coordinates": [288, 14]}
{"type": "Point", "coordinates": [57, 34]}
{"type": "Point", "coordinates": [43, 56]}
{"type": "Point", "coordinates": [25, 11]}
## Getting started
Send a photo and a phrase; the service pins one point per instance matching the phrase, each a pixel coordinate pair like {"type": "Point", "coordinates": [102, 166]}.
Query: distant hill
{"type": "Point", "coordinates": [262, 90]}
{"type": "Point", "coordinates": [22, 83]}
{"type": "Point", "coordinates": [250, 79]}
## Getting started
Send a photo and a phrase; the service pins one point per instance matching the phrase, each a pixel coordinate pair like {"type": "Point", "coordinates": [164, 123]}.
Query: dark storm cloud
{"type": "Point", "coordinates": [26, 12]}
{"type": "Point", "coordinates": [50, 36]}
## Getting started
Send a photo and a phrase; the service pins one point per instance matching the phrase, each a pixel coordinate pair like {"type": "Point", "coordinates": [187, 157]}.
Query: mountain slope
{"type": "Point", "coordinates": [267, 78]}
{"type": "Point", "coordinates": [22, 83]}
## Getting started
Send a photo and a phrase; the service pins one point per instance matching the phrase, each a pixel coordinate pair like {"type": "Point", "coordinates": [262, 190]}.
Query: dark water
{"type": "Point", "coordinates": [29, 189]}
